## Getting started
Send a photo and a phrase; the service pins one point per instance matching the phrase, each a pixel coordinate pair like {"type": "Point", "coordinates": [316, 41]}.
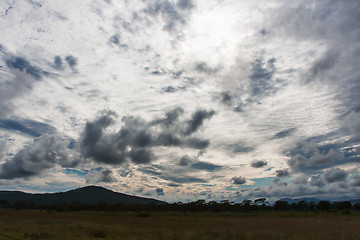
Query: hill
{"type": "Point", "coordinates": [354, 201]}
{"type": "Point", "coordinates": [85, 195]}
{"type": "Point", "coordinates": [315, 200]}
{"type": "Point", "coordinates": [292, 200]}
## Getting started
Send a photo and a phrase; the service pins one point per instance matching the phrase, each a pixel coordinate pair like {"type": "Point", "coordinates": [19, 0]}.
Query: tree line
{"type": "Point", "coordinates": [257, 205]}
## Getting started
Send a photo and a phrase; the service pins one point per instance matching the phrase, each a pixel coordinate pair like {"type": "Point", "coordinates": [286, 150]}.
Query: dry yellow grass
{"type": "Point", "coordinates": [31, 224]}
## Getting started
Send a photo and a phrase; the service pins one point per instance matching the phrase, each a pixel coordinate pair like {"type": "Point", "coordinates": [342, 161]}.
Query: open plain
{"type": "Point", "coordinates": [36, 224]}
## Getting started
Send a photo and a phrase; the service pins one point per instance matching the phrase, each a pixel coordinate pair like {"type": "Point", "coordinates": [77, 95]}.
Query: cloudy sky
{"type": "Point", "coordinates": [181, 99]}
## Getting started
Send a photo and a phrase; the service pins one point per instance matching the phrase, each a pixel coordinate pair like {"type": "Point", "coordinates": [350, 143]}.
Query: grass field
{"type": "Point", "coordinates": [34, 224]}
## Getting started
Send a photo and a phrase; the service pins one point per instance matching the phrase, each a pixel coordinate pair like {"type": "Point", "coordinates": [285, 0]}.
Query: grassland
{"type": "Point", "coordinates": [35, 224]}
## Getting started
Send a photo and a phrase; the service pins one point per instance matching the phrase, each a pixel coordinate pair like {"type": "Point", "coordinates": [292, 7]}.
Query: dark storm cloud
{"type": "Point", "coordinates": [204, 68]}
{"type": "Point", "coordinates": [185, 4]}
{"type": "Point", "coordinates": [316, 180]}
{"type": "Point", "coordinates": [351, 154]}
{"type": "Point", "coordinates": [174, 185]}
{"type": "Point", "coordinates": [285, 133]}
{"type": "Point", "coordinates": [141, 156]}
{"type": "Point", "coordinates": [196, 143]}
{"type": "Point", "coordinates": [169, 139]}
{"type": "Point", "coordinates": [177, 74]}
{"type": "Point", "coordinates": [334, 23]}
{"type": "Point", "coordinates": [171, 89]}
{"type": "Point", "coordinates": [94, 130]}
{"type": "Point", "coordinates": [100, 175]}
{"type": "Point", "coordinates": [226, 98]}
{"type": "Point", "coordinates": [195, 164]}
{"type": "Point", "coordinates": [324, 19]}
{"type": "Point", "coordinates": [258, 164]}
{"type": "Point", "coordinates": [175, 178]}
{"type": "Point", "coordinates": [19, 79]}
{"type": "Point", "coordinates": [279, 183]}
{"type": "Point", "coordinates": [186, 161]}
{"type": "Point", "coordinates": [282, 173]}
{"type": "Point", "coordinates": [34, 3]}
{"type": "Point", "coordinates": [26, 127]}
{"type": "Point", "coordinates": [171, 117]}
{"type": "Point", "coordinates": [115, 39]}
{"type": "Point", "coordinates": [158, 72]}
{"type": "Point", "coordinates": [7, 9]}
{"type": "Point", "coordinates": [71, 61]}
{"type": "Point", "coordinates": [58, 64]}
{"type": "Point", "coordinates": [311, 155]}
{"type": "Point", "coordinates": [174, 14]}
{"type": "Point", "coordinates": [263, 31]}
{"type": "Point", "coordinates": [316, 161]}
{"type": "Point", "coordinates": [261, 77]}
{"type": "Point", "coordinates": [205, 166]}
{"type": "Point", "coordinates": [151, 170]}
{"type": "Point", "coordinates": [176, 133]}
{"type": "Point", "coordinates": [47, 151]}
{"type": "Point", "coordinates": [240, 107]}
{"type": "Point", "coordinates": [262, 83]}
{"type": "Point", "coordinates": [184, 179]}
{"type": "Point", "coordinates": [320, 67]}
{"type": "Point", "coordinates": [24, 65]}
{"type": "Point", "coordinates": [160, 192]}
{"type": "Point", "coordinates": [123, 172]}
{"type": "Point", "coordinates": [3, 146]}
{"type": "Point", "coordinates": [240, 148]}
{"type": "Point", "coordinates": [197, 120]}
{"type": "Point", "coordinates": [335, 175]}
{"type": "Point", "coordinates": [75, 172]}
{"type": "Point", "coordinates": [137, 137]}
{"type": "Point", "coordinates": [341, 185]}
{"type": "Point", "coordinates": [99, 146]}
{"type": "Point", "coordinates": [11, 89]}
{"type": "Point", "coordinates": [239, 180]}
{"type": "Point", "coordinates": [352, 124]}
{"type": "Point", "coordinates": [355, 181]}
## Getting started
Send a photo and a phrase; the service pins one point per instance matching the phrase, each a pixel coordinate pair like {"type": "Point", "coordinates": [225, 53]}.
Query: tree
{"type": "Point", "coordinates": [260, 201]}
{"type": "Point", "coordinates": [281, 206]}
{"type": "Point", "coordinates": [323, 205]}
{"type": "Point", "coordinates": [301, 205]}
{"type": "Point", "coordinates": [19, 204]}
{"type": "Point", "coordinates": [342, 205]}
{"type": "Point", "coordinates": [247, 205]}
{"type": "Point", "coordinates": [4, 204]}
{"type": "Point", "coordinates": [312, 205]}
{"type": "Point", "coordinates": [356, 206]}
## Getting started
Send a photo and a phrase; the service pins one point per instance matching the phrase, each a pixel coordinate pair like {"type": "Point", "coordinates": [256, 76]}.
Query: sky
{"type": "Point", "coordinates": [181, 100]}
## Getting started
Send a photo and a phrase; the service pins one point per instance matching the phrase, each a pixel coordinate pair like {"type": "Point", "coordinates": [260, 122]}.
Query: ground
{"type": "Point", "coordinates": [35, 224]}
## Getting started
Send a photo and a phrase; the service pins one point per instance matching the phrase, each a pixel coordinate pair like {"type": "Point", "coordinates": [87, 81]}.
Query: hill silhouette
{"type": "Point", "coordinates": [84, 195]}
{"type": "Point", "coordinates": [296, 200]}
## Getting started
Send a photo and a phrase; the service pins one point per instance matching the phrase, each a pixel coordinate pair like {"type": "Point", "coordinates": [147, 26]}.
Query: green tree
{"type": "Point", "coordinates": [281, 206]}
{"type": "Point", "coordinates": [323, 205]}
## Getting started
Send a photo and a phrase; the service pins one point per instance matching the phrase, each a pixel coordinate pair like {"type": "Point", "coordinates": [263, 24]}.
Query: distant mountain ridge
{"type": "Point", "coordinates": [84, 195]}
{"type": "Point", "coordinates": [296, 200]}
{"type": "Point", "coordinates": [95, 194]}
